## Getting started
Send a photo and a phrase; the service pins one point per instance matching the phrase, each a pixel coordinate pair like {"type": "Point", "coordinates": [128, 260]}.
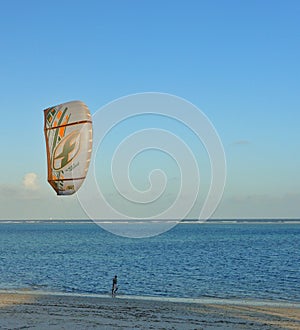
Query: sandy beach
{"type": "Point", "coordinates": [44, 311]}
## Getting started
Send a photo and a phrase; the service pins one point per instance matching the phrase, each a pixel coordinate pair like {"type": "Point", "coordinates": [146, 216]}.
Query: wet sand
{"type": "Point", "coordinates": [42, 311]}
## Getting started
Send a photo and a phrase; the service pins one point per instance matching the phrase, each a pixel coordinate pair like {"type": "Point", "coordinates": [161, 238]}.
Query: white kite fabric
{"type": "Point", "coordinates": [68, 134]}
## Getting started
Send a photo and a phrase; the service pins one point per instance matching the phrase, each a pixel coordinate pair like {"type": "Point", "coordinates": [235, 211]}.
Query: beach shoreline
{"type": "Point", "coordinates": [33, 310]}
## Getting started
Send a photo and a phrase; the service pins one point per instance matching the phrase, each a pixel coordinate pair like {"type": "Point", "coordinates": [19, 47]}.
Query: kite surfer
{"type": "Point", "coordinates": [114, 288]}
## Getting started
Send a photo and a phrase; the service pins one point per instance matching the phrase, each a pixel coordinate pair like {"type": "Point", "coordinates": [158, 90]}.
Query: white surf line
{"type": "Point", "coordinates": [200, 301]}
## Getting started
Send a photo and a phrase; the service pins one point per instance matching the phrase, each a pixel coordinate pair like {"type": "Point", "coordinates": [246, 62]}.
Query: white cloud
{"type": "Point", "coordinates": [30, 181]}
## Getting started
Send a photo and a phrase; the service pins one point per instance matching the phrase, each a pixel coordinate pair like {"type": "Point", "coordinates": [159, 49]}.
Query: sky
{"type": "Point", "coordinates": [237, 61]}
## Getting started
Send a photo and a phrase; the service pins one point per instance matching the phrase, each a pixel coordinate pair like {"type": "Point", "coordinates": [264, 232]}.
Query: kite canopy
{"type": "Point", "coordinates": [68, 134]}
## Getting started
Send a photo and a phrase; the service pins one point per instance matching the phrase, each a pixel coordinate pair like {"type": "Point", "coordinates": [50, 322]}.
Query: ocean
{"type": "Point", "coordinates": [258, 261]}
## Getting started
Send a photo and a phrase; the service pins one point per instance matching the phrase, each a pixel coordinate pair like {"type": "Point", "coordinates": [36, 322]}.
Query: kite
{"type": "Point", "coordinates": [68, 134]}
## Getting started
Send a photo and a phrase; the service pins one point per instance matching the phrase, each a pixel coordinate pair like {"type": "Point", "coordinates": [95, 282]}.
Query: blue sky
{"type": "Point", "coordinates": [238, 61]}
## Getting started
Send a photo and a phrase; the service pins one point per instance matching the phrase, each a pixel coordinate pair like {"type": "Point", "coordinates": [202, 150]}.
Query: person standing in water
{"type": "Point", "coordinates": [114, 288]}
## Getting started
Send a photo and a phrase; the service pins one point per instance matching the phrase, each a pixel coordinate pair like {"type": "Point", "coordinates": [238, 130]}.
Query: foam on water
{"type": "Point", "coordinates": [201, 301]}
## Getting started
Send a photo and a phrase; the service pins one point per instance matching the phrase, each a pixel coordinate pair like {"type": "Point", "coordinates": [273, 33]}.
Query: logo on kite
{"type": "Point", "coordinates": [68, 134]}
{"type": "Point", "coordinates": [66, 151]}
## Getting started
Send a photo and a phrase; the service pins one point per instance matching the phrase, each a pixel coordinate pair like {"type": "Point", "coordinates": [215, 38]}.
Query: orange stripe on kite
{"type": "Point", "coordinates": [62, 131]}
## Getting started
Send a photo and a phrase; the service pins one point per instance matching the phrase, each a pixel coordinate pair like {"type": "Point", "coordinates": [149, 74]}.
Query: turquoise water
{"type": "Point", "coordinates": [231, 261]}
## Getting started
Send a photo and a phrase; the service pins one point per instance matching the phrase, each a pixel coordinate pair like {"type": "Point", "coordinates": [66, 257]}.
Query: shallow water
{"type": "Point", "coordinates": [231, 261]}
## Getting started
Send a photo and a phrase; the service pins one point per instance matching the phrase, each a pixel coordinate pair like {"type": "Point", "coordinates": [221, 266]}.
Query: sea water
{"type": "Point", "coordinates": [216, 260]}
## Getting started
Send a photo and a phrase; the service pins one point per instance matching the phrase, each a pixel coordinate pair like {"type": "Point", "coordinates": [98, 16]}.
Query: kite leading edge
{"type": "Point", "coordinates": [68, 134]}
